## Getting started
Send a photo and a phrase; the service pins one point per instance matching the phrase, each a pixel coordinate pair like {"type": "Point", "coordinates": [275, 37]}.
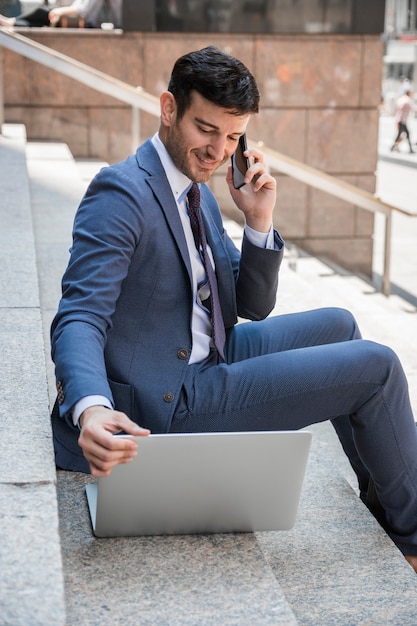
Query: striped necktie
{"type": "Point", "coordinates": [199, 232]}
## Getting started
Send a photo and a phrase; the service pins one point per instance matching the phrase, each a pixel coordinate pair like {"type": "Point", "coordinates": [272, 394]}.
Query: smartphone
{"type": "Point", "coordinates": [240, 163]}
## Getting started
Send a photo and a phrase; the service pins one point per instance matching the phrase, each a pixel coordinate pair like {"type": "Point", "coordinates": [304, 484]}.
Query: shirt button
{"type": "Point", "coordinates": [168, 396]}
{"type": "Point", "coordinates": [182, 354]}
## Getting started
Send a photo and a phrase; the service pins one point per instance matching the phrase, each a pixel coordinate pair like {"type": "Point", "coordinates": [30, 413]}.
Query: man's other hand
{"type": "Point", "coordinates": [101, 449]}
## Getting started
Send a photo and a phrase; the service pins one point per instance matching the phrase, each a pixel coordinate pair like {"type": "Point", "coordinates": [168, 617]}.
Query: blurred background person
{"type": "Point", "coordinates": [89, 11]}
{"type": "Point", "coordinates": [404, 107]}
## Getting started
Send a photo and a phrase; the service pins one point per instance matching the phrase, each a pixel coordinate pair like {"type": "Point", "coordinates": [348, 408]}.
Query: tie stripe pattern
{"type": "Point", "coordinates": [199, 232]}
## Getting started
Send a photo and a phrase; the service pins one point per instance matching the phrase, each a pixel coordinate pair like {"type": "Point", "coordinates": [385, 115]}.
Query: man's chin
{"type": "Point", "coordinates": [203, 177]}
{"type": "Point", "coordinates": [203, 174]}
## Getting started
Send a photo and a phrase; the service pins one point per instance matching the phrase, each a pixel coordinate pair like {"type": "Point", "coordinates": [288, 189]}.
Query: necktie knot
{"type": "Point", "coordinates": [194, 196]}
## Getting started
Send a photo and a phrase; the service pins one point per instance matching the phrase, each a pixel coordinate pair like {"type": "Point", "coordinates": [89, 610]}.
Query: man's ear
{"type": "Point", "coordinates": [168, 108]}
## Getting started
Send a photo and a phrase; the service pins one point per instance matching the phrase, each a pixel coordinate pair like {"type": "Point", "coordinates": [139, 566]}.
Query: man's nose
{"type": "Point", "coordinates": [217, 148]}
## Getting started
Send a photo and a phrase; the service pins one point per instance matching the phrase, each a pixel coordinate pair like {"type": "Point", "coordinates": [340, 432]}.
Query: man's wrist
{"type": "Point", "coordinates": [87, 402]}
{"type": "Point", "coordinates": [260, 239]}
{"type": "Point", "coordinates": [90, 411]}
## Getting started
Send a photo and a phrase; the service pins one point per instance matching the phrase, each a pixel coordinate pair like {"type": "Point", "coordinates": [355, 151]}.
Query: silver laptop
{"type": "Point", "coordinates": [203, 483]}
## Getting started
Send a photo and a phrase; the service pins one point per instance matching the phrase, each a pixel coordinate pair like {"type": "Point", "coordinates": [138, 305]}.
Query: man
{"type": "Point", "coordinates": [89, 10]}
{"type": "Point", "coordinates": [137, 347]}
{"type": "Point", "coordinates": [404, 107]}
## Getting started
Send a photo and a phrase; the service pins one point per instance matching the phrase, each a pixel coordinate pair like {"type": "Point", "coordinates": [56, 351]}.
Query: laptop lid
{"type": "Point", "coordinates": [203, 483]}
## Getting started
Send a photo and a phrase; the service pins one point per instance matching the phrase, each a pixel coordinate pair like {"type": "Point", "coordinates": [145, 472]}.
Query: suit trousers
{"type": "Point", "coordinates": [290, 371]}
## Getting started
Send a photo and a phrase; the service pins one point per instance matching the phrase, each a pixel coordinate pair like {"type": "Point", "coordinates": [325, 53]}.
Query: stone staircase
{"type": "Point", "coordinates": [336, 566]}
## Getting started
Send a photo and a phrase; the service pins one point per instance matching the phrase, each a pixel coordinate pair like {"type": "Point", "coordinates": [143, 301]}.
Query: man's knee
{"type": "Point", "coordinates": [381, 360]}
{"type": "Point", "coordinates": [343, 322]}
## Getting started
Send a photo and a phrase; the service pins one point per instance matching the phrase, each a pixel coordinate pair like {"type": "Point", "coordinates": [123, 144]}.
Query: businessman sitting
{"type": "Point", "coordinates": [146, 335]}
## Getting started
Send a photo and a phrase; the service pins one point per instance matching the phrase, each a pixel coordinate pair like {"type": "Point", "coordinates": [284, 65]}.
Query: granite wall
{"type": "Point", "coordinates": [320, 96]}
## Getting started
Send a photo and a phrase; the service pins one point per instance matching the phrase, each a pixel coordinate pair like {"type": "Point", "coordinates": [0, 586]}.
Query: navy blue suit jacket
{"type": "Point", "coordinates": [123, 327]}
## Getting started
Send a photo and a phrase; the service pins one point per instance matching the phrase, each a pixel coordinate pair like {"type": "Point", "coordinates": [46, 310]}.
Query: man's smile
{"type": "Point", "coordinates": [206, 162]}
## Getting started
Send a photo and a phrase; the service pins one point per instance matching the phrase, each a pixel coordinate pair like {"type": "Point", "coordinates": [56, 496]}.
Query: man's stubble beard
{"type": "Point", "coordinates": [181, 157]}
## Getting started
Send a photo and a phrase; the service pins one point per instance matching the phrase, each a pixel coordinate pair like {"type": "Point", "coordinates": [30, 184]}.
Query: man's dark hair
{"type": "Point", "coordinates": [218, 77]}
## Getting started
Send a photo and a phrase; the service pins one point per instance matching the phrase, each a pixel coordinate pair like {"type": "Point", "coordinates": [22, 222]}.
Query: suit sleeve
{"type": "Point", "coordinates": [257, 282]}
{"type": "Point", "coordinates": [106, 231]}
{"type": "Point", "coordinates": [255, 272]}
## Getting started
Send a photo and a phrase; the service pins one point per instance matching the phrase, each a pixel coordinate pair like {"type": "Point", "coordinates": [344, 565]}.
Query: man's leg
{"type": "Point", "coordinates": [398, 138]}
{"type": "Point", "coordinates": [116, 12]}
{"type": "Point", "coordinates": [290, 386]}
{"type": "Point", "coordinates": [407, 134]}
{"type": "Point", "coordinates": [93, 17]}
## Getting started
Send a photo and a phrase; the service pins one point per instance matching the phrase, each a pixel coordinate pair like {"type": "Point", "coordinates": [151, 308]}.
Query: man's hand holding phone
{"type": "Point", "coordinates": [252, 188]}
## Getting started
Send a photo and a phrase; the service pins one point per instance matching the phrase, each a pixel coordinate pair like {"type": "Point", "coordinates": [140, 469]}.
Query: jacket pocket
{"type": "Point", "coordinates": [123, 398]}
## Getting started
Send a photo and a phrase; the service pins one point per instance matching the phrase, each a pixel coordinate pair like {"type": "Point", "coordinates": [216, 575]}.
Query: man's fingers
{"type": "Point", "coordinates": [254, 155]}
{"type": "Point", "coordinates": [100, 444]}
{"type": "Point", "coordinates": [106, 452]}
{"type": "Point", "coordinates": [125, 424]}
{"type": "Point", "coordinates": [102, 449]}
{"type": "Point", "coordinates": [100, 468]}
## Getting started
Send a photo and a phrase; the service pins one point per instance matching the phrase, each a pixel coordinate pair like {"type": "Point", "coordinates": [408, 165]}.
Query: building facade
{"type": "Point", "coordinates": [320, 84]}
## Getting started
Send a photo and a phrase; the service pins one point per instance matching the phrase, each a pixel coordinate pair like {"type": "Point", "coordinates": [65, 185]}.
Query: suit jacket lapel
{"type": "Point", "coordinates": [148, 160]}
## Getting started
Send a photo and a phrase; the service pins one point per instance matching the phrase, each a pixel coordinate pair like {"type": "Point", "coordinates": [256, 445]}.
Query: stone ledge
{"type": "Point", "coordinates": [27, 453]}
{"type": "Point", "coordinates": [18, 279]}
{"type": "Point", "coordinates": [31, 578]}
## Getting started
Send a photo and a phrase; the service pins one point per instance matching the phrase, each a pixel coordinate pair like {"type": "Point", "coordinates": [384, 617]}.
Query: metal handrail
{"type": "Point", "coordinates": [135, 96]}
{"type": "Point", "coordinates": [141, 100]}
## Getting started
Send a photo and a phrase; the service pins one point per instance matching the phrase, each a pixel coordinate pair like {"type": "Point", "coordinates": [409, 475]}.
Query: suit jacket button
{"type": "Point", "coordinates": [168, 396]}
{"type": "Point", "coordinates": [182, 354]}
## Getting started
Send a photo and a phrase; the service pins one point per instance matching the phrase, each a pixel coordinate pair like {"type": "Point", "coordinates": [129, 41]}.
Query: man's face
{"type": "Point", "coordinates": [203, 139]}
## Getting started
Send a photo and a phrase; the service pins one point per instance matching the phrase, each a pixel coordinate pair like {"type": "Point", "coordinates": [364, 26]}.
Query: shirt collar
{"type": "Point", "coordinates": [179, 182]}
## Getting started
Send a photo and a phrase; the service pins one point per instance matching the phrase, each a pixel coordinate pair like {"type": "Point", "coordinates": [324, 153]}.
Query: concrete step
{"type": "Point", "coordinates": [31, 575]}
{"type": "Point", "coordinates": [336, 566]}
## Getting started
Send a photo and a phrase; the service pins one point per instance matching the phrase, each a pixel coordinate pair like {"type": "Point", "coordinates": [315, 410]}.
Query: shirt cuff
{"type": "Point", "coordinates": [261, 240]}
{"type": "Point", "coordinates": [85, 403]}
